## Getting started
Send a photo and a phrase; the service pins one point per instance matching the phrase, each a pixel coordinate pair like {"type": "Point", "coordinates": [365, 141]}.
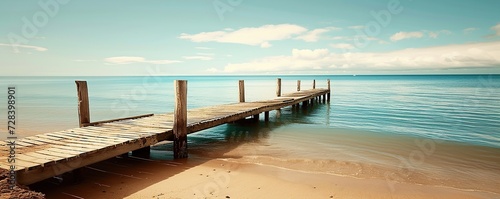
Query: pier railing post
{"type": "Point", "coordinates": [83, 103]}
{"type": "Point", "coordinates": [314, 84]}
{"type": "Point", "coordinates": [180, 120]}
{"type": "Point", "coordinates": [329, 91]}
{"type": "Point", "coordinates": [298, 85]}
{"type": "Point", "coordinates": [242, 90]}
{"type": "Point", "coordinates": [278, 88]}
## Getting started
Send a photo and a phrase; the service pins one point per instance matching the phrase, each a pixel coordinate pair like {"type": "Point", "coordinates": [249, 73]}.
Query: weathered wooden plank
{"type": "Point", "coordinates": [60, 155]}
{"type": "Point", "coordinates": [116, 120]}
{"type": "Point", "coordinates": [21, 143]}
{"type": "Point", "coordinates": [40, 157]}
{"type": "Point", "coordinates": [64, 151]}
{"type": "Point", "coordinates": [4, 164]}
{"type": "Point", "coordinates": [71, 149]}
{"type": "Point", "coordinates": [38, 173]}
{"type": "Point", "coordinates": [42, 139]}
{"type": "Point", "coordinates": [72, 138]}
{"type": "Point", "coordinates": [30, 141]}
{"type": "Point", "coordinates": [22, 165]}
{"type": "Point", "coordinates": [102, 136]}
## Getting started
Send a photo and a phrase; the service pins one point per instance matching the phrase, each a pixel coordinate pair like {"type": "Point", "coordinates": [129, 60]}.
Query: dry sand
{"type": "Point", "coordinates": [18, 191]}
{"type": "Point", "coordinates": [226, 177]}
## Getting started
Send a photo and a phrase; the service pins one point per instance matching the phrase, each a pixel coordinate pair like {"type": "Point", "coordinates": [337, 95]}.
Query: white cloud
{"type": "Point", "coordinates": [259, 36]}
{"type": "Point", "coordinates": [37, 48]}
{"type": "Point", "coordinates": [496, 29]}
{"type": "Point", "coordinates": [265, 45]}
{"type": "Point", "coordinates": [339, 38]}
{"type": "Point", "coordinates": [406, 35]}
{"type": "Point", "coordinates": [314, 35]}
{"type": "Point", "coordinates": [435, 34]}
{"type": "Point", "coordinates": [442, 57]}
{"type": "Point", "coordinates": [131, 60]}
{"type": "Point", "coordinates": [343, 46]}
{"type": "Point", "coordinates": [212, 70]}
{"type": "Point", "coordinates": [356, 27]}
{"type": "Point", "coordinates": [309, 54]}
{"type": "Point", "coordinates": [468, 30]}
{"type": "Point", "coordinates": [204, 58]}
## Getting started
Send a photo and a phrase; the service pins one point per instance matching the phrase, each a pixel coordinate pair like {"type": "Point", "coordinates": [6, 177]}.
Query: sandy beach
{"type": "Point", "coordinates": [231, 176]}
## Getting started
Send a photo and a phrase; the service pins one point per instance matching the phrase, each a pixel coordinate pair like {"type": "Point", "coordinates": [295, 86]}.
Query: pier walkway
{"type": "Point", "coordinates": [50, 154]}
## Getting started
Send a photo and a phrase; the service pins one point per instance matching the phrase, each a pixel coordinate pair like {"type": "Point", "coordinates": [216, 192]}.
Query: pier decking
{"type": "Point", "coordinates": [46, 155]}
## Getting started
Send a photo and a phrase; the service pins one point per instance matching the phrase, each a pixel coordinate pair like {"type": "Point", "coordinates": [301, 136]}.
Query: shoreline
{"type": "Point", "coordinates": [221, 179]}
{"type": "Point", "coordinates": [227, 174]}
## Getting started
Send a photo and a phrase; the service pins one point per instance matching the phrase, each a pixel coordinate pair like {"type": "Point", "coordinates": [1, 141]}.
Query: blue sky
{"type": "Point", "coordinates": [224, 37]}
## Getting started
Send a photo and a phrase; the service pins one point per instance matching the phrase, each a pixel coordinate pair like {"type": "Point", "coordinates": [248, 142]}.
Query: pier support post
{"type": "Point", "coordinates": [266, 116]}
{"type": "Point", "coordinates": [83, 103]}
{"type": "Point", "coordinates": [180, 120]}
{"type": "Point", "coordinates": [255, 118]}
{"type": "Point", "coordinates": [242, 91]}
{"type": "Point", "coordinates": [298, 85]}
{"type": "Point", "coordinates": [314, 84]}
{"type": "Point", "coordinates": [304, 104]}
{"type": "Point", "coordinates": [142, 152]}
{"type": "Point", "coordinates": [278, 88]}
{"type": "Point", "coordinates": [329, 91]}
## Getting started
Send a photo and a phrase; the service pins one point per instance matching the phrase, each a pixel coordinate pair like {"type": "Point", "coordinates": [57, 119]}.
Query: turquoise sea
{"type": "Point", "coordinates": [425, 128]}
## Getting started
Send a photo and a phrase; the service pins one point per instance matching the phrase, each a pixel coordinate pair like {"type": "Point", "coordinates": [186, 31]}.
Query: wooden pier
{"type": "Point", "coordinates": [47, 155]}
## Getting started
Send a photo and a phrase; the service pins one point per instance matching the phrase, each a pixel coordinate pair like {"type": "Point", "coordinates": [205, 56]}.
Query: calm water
{"type": "Point", "coordinates": [457, 108]}
{"type": "Point", "coordinates": [424, 128]}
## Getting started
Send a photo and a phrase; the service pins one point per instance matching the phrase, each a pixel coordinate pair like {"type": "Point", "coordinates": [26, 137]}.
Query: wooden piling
{"type": "Point", "coordinates": [266, 116]}
{"type": "Point", "coordinates": [314, 84]}
{"type": "Point", "coordinates": [83, 103]}
{"type": "Point", "coordinates": [304, 104]}
{"type": "Point", "coordinates": [256, 118]}
{"type": "Point", "coordinates": [329, 91]}
{"type": "Point", "coordinates": [278, 88]}
{"type": "Point", "coordinates": [298, 85]}
{"type": "Point", "coordinates": [242, 91]}
{"type": "Point", "coordinates": [142, 152]}
{"type": "Point", "coordinates": [180, 120]}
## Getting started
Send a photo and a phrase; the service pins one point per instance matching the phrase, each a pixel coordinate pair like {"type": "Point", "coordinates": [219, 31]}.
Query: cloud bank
{"type": "Point", "coordinates": [443, 57]}
{"type": "Point", "coordinates": [132, 60]}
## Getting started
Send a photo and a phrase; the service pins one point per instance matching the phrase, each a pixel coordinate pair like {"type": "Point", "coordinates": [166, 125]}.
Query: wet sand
{"type": "Point", "coordinates": [232, 176]}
